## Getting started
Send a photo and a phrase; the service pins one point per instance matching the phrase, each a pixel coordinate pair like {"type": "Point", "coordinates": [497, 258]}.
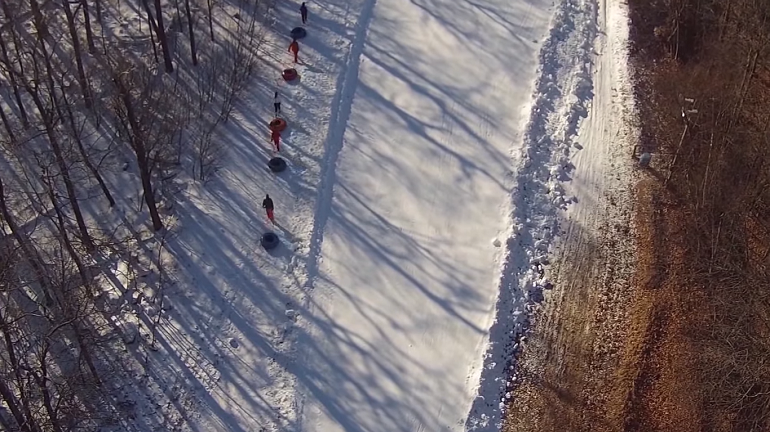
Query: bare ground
{"type": "Point", "coordinates": [658, 321]}
{"type": "Point", "coordinates": [567, 369]}
{"type": "Point", "coordinates": [608, 349]}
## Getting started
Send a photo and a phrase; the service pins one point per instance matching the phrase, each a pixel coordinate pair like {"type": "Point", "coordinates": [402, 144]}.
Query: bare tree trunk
{"type": "Point", "coordinates": [42, 35]}
{"type": "Point", "coordinates": [19, 413]}
{"type": "Point", "coordinates": [8, 126]}
{"type": "Point", "coordinates": [11, 76]}
{"type": "Point", "coordinates": [16, 366]}
{"type": "Point", "coordinates": [48, 124]}
{"type": "Point", "coordinates": [64, 171]}
{"type": "Point", "coordinates": [7, 395]}
{"type": "Point", "coordinates": [82, 80]}
{"type": "Point", "coordinates": [42, 382]}
{"type": "Point", "coordinates": [142, 158]}
{"type": "Point", "coordinates": [61, 226]}
{"type": "Point", "coordinates": [160, 30]}
{"type": "Point", "coordinates": [193, 50]}
{"type": "Point", "coordinates": [163, 39]}
{"type": "Point", "coordinates": [28, 250]}
{"type": "Point", "coordinates": [87, 23]}
{"type": "Point", "coordinates": [151, 25]}
{"type": "Point", "coordinates": [211, 20]}
{"type": "Point", "coordinates": [85, 156]}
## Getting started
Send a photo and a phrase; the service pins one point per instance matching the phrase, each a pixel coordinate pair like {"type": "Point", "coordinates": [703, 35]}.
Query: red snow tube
{"type": "Point", "coordinates": [278, 125]}
{"type": "Point", "coordinates": [290, 74]}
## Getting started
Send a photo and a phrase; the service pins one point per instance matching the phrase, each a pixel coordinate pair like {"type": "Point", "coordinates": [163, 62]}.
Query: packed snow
{"type": "Point", "coordinates": [430, 149]}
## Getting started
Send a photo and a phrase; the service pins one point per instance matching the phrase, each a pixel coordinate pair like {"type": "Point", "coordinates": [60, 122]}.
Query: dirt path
{"type": "Point", "coordinates": [569, 377]}
{"type": "Point", "coordinates": [569, 362]}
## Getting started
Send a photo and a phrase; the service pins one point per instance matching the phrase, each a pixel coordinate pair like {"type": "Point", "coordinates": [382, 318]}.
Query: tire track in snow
{"type": "Point", "coordinates": [340, 114]}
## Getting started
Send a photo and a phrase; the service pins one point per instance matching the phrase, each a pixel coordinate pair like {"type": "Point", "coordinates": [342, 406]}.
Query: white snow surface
{"type": "Point", "coordinates": [430, 108]}
{"type": "Point", "coordinates": [429, 144]}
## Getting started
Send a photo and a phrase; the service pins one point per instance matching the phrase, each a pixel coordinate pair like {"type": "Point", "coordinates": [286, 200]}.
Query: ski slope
{"type": "Point", "coordinates": [433, 104]}
{"type": "Point", "coordinates": [428, 146]}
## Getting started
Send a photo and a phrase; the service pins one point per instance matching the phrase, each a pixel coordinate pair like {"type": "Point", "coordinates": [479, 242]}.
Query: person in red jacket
{"type": "Point", "coordinates": [276, 137]}
{"type": "Point", "coordinates": [294, 48]}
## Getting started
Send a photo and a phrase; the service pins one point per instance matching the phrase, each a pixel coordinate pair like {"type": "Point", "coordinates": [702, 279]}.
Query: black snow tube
{"type": "Point", "coordinates": [298, 32]}
{"type": "Point", "coordinates": [276, 164]}
{"type": "Point", "coordinates": [270, 240]}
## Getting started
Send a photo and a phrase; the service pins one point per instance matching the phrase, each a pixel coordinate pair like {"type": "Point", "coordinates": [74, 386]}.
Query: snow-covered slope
{"type": "Point", "coordinates": [428, 143]}
{"type": "Point", "coordinates": [432, 104]}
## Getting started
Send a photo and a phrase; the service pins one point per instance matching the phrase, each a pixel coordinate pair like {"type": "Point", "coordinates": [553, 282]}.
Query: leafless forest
{"type": "Point", "coordinates": [703, 81]}
{"type": "Point", "coordinates": [99, 96]}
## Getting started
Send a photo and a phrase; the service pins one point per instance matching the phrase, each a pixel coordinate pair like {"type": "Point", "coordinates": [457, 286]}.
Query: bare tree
{"type": "Point", "coordinates": [191, 31]}
{"type": "Point", "coordinates": [48, 118]}
{"type": "Point", "coordinates": [7, 123]}
{"type": "Point", "coordinates": [14, 389]}
{"type": "Point", "coordinates": [148, 117]}
{"type": "Point", "coordinates": [7, 61]}
{"type": "Point", "coordinates": [82, 79]}
{"type": "Point", "coordinates": [28, 249]}
{"type": "Point", "coordinates": [49, 183]}
{"type": "Point", "coordinates": [76, 126]}
{"type": "Point", "coordinates": [151, 26]}
{"type": "Point", "coordinates": [87, 25]}
{"type": "Point", "coordinates": [156, 25]}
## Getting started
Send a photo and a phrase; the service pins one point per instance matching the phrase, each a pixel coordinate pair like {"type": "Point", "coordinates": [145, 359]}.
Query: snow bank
{"type": "Point", "coordinates": [563, 93]}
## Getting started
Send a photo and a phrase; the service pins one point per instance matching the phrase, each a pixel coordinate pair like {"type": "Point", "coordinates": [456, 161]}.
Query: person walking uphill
{"type": "Point", "coordinates": [303, 11]}
{"type": "Point", "coordinates": [267, 204]}
{"type": "Point", "coordinates": [277, 103]}
{"type": "Point", "coordinates": [294, 48]}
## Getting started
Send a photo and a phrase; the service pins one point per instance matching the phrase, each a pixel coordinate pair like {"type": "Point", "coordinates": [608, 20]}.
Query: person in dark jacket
{"type": "Point", "coordinates": [277, 103]}
{"type": "Point", "coordinates": [303, 11]}
{"type": "Point", "coordinates": [267, 204]}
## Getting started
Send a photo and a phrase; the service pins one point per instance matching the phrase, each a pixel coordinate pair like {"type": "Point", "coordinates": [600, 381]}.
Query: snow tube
{"type": "Point", "coordinates": [269, 240]}
{"type": "Point", "coordinates": [298, 32]}
{"type": "Point", "coordinates": [289, 74]}
{"type": "Point", "coordinates": [277, 125]}
{"type": "Point", "coordinates": [276, 164]}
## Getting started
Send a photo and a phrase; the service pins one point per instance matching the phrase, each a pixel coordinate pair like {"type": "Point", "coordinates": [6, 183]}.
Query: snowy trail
{"type": "Point", "coordinates": [431, 105]}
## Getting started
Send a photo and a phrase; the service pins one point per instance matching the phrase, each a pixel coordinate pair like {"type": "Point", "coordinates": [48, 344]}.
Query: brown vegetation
{"type": "Point", "coordinates": [694, 324]}
{"type": "Point", "coordinates": [703, 92]}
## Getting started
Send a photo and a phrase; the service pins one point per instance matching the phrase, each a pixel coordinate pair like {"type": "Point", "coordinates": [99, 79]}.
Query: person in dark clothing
{"type": "Point", "coordinates": [303, 11]}
{"type": "Point", "coordinates": [294, 48]}
{"type": "Point", "coordinates": [267, 204]}
{"type": "Point", "coordinates": [277, 103]}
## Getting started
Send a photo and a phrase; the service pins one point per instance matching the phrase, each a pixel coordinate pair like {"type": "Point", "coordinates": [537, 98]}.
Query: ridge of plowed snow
{"type": "Point", "coordinates": [562, 97]}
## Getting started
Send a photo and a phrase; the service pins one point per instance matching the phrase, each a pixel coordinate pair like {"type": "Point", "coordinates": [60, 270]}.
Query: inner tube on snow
{"type": "Point", "coordinates": [278, 125]}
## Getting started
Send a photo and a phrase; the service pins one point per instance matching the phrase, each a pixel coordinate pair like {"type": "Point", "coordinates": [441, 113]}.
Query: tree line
{"type": "Point", "coordinates": [704, 93]}
{"type": "Point", "coordinates": [91, 90]}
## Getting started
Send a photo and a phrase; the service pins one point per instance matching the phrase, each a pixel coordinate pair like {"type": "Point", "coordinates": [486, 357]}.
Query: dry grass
{"type": "Point", "coordinates": [715, 217]}
{"type": "Point", "coordinates": [694, 324]}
